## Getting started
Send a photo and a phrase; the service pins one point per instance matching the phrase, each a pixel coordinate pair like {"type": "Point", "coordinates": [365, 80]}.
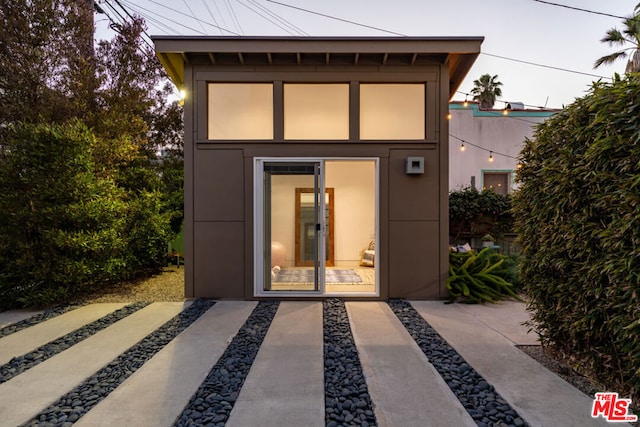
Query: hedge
{"type": "Point", "coordinates": [578, 216]}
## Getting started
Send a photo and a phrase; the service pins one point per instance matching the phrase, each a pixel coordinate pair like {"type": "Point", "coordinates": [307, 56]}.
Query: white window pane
{"type": "Point", "coordinates": [392, 111]}
{"type": "Point", "coordinates": [316, 111]}
{"type": "Point", "coordinates": [240, 111]}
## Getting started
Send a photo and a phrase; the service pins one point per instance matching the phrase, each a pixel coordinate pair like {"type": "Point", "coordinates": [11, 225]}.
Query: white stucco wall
{"type": "Point", "coordinates": [490, 130]}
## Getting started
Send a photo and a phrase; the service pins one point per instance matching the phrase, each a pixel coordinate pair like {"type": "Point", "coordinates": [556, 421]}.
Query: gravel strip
{"type": "Point", "coordinates": [19, 364]}
{"type": "Point", "coordinates": [212, 403]}
{"type": "Point", "coordinates": [73, 405]}
{"type": "Point", "coordinates": [479, 398]}
{"type": "Point", "coordinates": [346, 396]}
{"type": "Point", "coordinates": [34, 320]}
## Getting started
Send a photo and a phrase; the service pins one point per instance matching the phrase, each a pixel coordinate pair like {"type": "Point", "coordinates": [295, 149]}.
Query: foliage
{"type": "Point", "coordinates": [577, 213]}
{"type": "Point", "coordinates": [486, 89]}
{"type": "Point", "coordinates": [629, 35]}
{"type": "Point", "coordinates": [105, 205]}
{"type": "Point", "coordinates": [61, 225]}
{"type": "Point", "coordinates": [46, 65]}
{"type": "Point", "coordinates": [474, 214]}
{"type": "Point", "coordinates": [479, 277]}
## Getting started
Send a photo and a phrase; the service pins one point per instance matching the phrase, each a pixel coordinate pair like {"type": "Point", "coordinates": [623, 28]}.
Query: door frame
{"type": "Point", "coordinates": [258, 228]}
{"type": "Point", "coordinates": [329, 246]}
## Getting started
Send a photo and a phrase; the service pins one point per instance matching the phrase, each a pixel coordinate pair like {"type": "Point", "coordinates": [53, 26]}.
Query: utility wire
{"type": "Point", "coordinates": [233, 15]}
{"type": "Point", "coordinates": [159, 24]}
{"type": "Point", "coordinates": [279, 18]}
{"type": "Point", "coordinates": [271, 20]}
{"type": "Point", "coordinates": [544, 66]}
{"type": "Point", "coordinates": [132, 18]}
{"type": "Point", "coordinates": [210, 13]}
{"type": "Point", "coordinates": [183, 14]}
{"type": "Point", "coordinates": [337, 19]}
{"type": "Point", "coordinates": [194, 16]}
{"type": "Point", "coordinates": [579, 9]}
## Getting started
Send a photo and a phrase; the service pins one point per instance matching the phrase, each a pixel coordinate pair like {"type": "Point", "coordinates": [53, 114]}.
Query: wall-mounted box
{"type": "Point", "coordinates": [415, 165]}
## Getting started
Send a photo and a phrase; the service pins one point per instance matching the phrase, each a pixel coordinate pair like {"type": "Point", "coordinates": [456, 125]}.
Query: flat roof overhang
{"type": "Point", "coordinates": [459, 53]}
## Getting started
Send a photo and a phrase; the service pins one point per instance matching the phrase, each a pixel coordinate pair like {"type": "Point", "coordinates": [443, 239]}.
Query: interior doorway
{"type": "Point", "coordinates": [306, 227]}
{"type": "Point", "coordinates": [315, 219]}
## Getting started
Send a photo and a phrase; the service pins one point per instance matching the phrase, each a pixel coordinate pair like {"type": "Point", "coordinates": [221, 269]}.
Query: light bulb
{"type": "Point", "coordinates": [462, 147]}
{"type": "Point", "coordinates": [491, 156]}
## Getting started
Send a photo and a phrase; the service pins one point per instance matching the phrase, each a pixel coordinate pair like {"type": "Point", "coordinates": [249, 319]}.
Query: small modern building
{"type": "Point", "coordinates": [316, 167]}
{"type": "Point", "coordinates": [484, 144]}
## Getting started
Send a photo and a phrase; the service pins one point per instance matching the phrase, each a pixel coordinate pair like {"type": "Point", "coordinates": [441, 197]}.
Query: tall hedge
{"type": "Point", "coordinates": [578, 216]}
{"type": "Point", "coordinates": [65, 224]}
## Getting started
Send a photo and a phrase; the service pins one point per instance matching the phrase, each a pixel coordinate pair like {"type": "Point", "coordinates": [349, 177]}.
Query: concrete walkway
{"type": "Point", "coordinates": [285, 386]}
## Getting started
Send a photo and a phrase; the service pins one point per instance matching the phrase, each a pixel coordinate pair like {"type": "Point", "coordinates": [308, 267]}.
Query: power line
{"type": "Point", "coordinates": [210, 13]}
{"type": "Point", "coordinates": [285, 29]}
{"type": "Point", "coordinates": [234, 17]}
{"type": "Point", "coordinates": [279, 18]}
{"type": "Point", "coordinates": [545, 66]}
{"type": "Point", "coordinates": [183, 14]}
{"type": "Point", "coordinates": [337, 19]}
{"type": "Point", "coordinates": [194, 15]}
{"type": "Point", "coordinates": [579, 9]}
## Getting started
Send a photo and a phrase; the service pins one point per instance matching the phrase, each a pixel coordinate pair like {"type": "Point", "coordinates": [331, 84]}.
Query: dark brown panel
{"type": "Point", "coordinates": [414, 259]}
{"type": "Point", "coordinates": [219, 185]}
{"type": "Point", "coordinates": [219, 260]}
{"type": "Point", "coordinates": [414, 197]}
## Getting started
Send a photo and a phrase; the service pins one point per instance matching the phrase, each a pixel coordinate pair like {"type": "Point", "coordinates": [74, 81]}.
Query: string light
{"type": "Point", "coordinates": [465, 143]}
{"type": "Point", "coordinates": [466, 101]}
{"type": "Point", "coordinates": [462, 147]}
{"type": "Point", "coordinates": [449, 116]}
{"type": "Point", "coordinates": [491, 156]}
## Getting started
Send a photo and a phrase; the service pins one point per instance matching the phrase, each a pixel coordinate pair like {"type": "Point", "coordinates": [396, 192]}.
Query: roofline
{"type": "Point", "coordinates": [461, 51]}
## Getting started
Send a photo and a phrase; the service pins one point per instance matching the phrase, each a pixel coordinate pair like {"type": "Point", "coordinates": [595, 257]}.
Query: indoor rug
{"type": "Point", "coordinates": [307, 276]}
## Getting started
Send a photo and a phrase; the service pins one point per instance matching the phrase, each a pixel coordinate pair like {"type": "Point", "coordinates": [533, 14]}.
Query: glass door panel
{"type": "Point", "coordinates": [280, 181]}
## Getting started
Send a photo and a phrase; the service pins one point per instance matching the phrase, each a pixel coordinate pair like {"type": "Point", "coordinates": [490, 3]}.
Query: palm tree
{"type": "Point", "coordinates": [486, 90]}
{"type": "Point", "coordinates": [629, 35]}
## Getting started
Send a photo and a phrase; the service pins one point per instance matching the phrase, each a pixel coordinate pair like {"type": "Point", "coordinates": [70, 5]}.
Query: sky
{"type": "Point", "coordinates": [520, 30]}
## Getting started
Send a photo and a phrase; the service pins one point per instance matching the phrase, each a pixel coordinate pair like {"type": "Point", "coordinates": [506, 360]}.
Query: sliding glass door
{"type": "Point", "coordinates": [280, 181]}
{"type": "Point", "coordinates": [315, 227]}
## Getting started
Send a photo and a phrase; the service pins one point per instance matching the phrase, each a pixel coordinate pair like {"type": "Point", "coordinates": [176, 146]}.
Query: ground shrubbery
{"type": "Point", "coordinates": [474, 214]}
{"type": "Point", "coordinates": [578, 216]}
{"type": "Point", "coordinates": [485, 276]}
{"type": "Point", "coordinates": [90, 155]}
{"type": "Point", "coordinates": [63, 225]}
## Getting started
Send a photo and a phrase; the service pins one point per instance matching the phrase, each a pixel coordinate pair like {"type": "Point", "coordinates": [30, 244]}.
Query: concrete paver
{"type": "Point", "coordinates": [405, 387]}
{"type": "Point", "coordinates": [539, 396]}
{"type": "Point", "coordinates": [14, 316]}
{"type": "Point", "coordinates": [286, 383]}
{"type": "Point", "coordinates": [33, 337]}
{"type": "Point", "coordinates": [285, 386]}
{"type": "Point", "coordinates": [156, 394]}
{"type": "Point", "coordinates": [25, 395]}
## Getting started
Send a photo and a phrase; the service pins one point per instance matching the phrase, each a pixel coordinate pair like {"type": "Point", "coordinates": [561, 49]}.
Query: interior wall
{"type": "Point", "coordinates": [354, 203]}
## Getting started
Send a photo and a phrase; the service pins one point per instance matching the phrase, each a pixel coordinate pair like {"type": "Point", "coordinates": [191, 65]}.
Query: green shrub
{"type": "Point", "coordinates": [474, 214]}
{"type": "Point", "coordinates": [479, 277]}
{"type": "Point", "coordinates": [61, 225]}
{"type": "Point", "coordinates": [578, 216]}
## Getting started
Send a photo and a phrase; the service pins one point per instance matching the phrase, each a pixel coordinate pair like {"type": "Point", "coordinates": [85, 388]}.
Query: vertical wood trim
{"type": "Point", "coordinates": [354, 111]}
{"type": "Point", "coordinates": [443, 147]}
{"type": "Point", "coordinates": [431, 111]}
{"type": "Point", "coordinates": [189, 155]}
{"type": "Point", "coordinates": [201, 113]}
{"type": "Point", "coordinates": [278, 111]}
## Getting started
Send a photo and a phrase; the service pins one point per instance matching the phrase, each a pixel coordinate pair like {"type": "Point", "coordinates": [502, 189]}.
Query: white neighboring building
{"type": "Point", "coordinates": [476, 135]}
